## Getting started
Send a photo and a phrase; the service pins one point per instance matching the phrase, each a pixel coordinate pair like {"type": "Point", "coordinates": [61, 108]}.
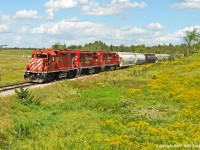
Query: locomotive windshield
{"type": "Point", "coordinates": [39, 56]}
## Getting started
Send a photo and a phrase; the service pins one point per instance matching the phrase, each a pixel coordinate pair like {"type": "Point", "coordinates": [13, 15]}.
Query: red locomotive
{"type": "Point", "coordinates": [47, 65]}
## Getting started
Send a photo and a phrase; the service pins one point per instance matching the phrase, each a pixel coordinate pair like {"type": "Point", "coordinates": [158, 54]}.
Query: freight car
{"type": "Point", "coordinates": [162, 57]}
{"type": "Point", "coordinates": [140, 59]}
{"type": "Point", "coordinates": [150, 58]}
{"type": "Point", "coordinates": [126, 59]}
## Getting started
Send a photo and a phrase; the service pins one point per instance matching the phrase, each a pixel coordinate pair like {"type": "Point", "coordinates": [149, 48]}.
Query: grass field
{"type": "Point", "coordinates": [143, 107]}
{"type": "Point", "coordinates": [12, 66]}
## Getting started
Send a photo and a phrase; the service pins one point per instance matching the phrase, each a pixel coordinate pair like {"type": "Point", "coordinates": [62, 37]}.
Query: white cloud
{"type": "Point", "coordinates": [6, 22]}
{"type": "Point", "coordinates": [62, 4]}
{"type": "Point", "coordinates": [3, 27]}
{"type": "Point", "coordinates": [114, 7]}
{"type": "Point", "coordinates": [155, 26]}
{"type": "Point", "coordinates": [26, 14]}
{"type": "Point", "coordinates": [23, 29]}
{"type": "Point", "coordinates": [4, 17]}
{"type": "Point", "coordinates": [54, 5]}
{"type": "Point", "coordinates": [187, 4]}
{"type": "Point", "coordinates": [92, 7]}
{"type": "Point", "coordinates": [50, 13]}
{"type": "Point", "coordinates": [169, 37]}
{"type": "Point", "coordinates": [77, 29]}
{"type": "Point", "coordinates": [181, 33]}
{"type": "Point", "coordinates": [72, 28]}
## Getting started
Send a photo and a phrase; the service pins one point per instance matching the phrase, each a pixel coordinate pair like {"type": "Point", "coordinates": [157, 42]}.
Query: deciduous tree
{"type": "Point", "coordinates": [191, 38]}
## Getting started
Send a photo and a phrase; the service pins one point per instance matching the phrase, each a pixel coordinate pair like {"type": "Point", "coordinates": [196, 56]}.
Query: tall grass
{"type": "Point", "coordinates": [12, 66]}
{"type": "Point", "coordinates": [142, 107]}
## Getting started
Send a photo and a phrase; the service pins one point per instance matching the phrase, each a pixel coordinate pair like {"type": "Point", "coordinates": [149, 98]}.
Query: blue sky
{"type": "Point", "coordinates": [41, 23]}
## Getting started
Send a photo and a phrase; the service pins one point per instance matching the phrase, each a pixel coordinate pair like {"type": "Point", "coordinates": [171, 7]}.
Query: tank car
{"type": "Point", "coordinates": [162, 57]}
{"type": "Point", "coordinates": [150, 58]}
{"type": "Point", "coordinates": [140, 59]}
{"type": "Point", "coordinates": [166, 56]}
{"type": "Point", "coordinates": [126, 59]}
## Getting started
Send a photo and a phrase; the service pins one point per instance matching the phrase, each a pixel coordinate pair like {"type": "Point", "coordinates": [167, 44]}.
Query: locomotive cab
{"type": "Point", "coordinates": [36, 70]}
{"type": "Point", "coordinates": [48, 65]}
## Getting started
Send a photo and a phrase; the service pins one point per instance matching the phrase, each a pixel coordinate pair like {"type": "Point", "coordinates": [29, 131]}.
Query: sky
{"type": "Point", "coordinates": [42, 23]}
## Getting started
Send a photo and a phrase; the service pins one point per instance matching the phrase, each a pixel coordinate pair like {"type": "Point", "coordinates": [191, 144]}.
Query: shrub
{"type": "Point", "coordinates": [25, 98]}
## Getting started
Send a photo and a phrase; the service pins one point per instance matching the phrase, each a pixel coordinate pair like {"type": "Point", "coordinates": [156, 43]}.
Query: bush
{"type": "Point", "coordinates": [25, 98]}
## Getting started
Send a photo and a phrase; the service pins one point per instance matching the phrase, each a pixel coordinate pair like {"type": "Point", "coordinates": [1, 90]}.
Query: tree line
{"type": "Point", "coordinates": [191, 45]}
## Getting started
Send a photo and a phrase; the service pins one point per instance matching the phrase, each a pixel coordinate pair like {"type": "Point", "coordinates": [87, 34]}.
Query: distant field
{"type": "Point", "coordinates": [12, 66]}
{"type": "Point", "coordinates": [143, 107]}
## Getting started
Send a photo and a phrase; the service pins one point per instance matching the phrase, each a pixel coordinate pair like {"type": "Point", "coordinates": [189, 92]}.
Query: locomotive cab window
{"type": "Point", "coordinates": [41, 55]}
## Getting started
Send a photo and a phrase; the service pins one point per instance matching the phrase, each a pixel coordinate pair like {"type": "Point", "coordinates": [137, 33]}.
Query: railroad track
{"type": "Point", "coordinates": [5, 89]}
{"type": "Point", "coordinates": [15, 86]}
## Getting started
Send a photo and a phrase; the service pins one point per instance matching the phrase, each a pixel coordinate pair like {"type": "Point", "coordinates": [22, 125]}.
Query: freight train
{"type": "Point", "coordinates": [48, 65]}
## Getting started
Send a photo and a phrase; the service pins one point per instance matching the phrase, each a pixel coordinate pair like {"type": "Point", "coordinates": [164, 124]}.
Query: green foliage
{"type": "Point", "coordinates": [3, 141]}
{"type": "Point", "coordinates": [59, 46]}
{"type": "Point", "coordinates": [191, 38]}
{"type": "Point", "coordinates": [24, 97]}
{"type": "Point", "coordinates": [22, 93]}
{"type": "Point", "coordinates": [22, 130]}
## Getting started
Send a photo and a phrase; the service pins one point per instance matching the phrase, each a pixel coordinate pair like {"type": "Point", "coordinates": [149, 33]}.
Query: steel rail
{"type": "Point", "coordinates": [15, 86]}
